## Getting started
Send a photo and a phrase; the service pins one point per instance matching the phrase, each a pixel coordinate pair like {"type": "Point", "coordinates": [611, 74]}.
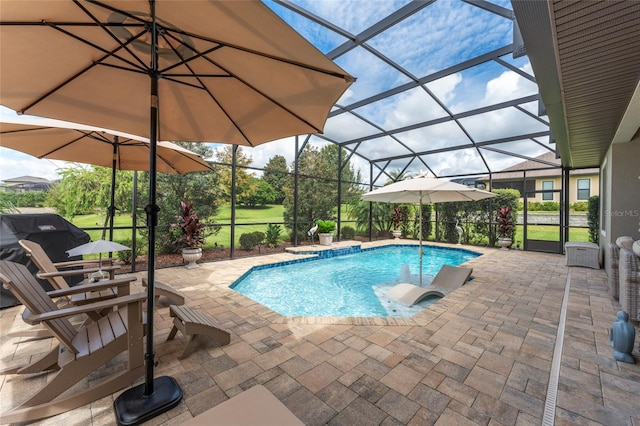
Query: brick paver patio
{"type": "Point", "coordinates": [482, 355]}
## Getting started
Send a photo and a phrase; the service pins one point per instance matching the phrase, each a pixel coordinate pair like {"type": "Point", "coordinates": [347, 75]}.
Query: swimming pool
{"type": "Point", "coordinates": [350, 285]}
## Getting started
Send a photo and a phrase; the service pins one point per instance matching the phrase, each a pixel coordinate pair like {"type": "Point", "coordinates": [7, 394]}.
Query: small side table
{"type": "Point", "coordinates": [582, 254]}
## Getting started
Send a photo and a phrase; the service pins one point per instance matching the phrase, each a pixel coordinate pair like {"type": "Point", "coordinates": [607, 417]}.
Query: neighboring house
{"type": "Point", "coordinates": [26, 183]}
{"type": "Point", "coordinates": [542, 176]}
{"type": "Point", "coordinates": [470, 181]}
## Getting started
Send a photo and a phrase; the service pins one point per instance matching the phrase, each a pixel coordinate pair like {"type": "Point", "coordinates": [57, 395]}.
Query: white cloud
{"type": "Point", "coordinates": [16, 164]}
{"type": "Point", "coordinates": [346, 126]}
{"type": "Point", "coordinates": [509, 85]}
{"type": "Point", "coordinates": [350, 14]}
{"type": "Point", "coordinates": [445, 88]}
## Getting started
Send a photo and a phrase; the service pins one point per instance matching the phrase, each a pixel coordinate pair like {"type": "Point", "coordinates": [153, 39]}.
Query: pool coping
{"type": "Point", "coordinates": [232, 270]}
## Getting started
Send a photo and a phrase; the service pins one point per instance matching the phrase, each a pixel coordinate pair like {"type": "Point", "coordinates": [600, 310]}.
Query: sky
{"type": "Point", "coordinates": [441, 35]}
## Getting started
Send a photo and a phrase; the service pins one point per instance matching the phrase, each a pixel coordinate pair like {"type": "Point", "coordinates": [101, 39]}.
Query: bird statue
{"type": "Point", "coordinates": [459, 231]}
{"type": "Point", "coordinates": [312, 232]}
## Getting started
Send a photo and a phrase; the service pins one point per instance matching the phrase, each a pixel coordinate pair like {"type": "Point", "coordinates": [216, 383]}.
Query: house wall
{"type": "Point", "coordinates": [557, 184]}
{"type": "Point", "coordinates": [573, 187]}
{"type": "Point", "coordinates": [620, 192]}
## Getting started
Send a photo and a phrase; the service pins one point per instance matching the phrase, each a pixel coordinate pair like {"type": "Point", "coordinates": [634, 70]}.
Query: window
{"type": "Point", "coordinates": [584, 189]}
{"type": "Point", "coordinates": [547, 185]}
{"type": "Point", "coordinates": [517, 184]}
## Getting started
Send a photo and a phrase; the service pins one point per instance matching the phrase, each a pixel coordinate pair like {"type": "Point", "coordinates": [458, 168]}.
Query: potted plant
{"type": "Point", "coordinates": [396, 218]}
{"type": "Point", "coordinates": [325, 231]}
{"type": "Point", "coordinates": [192, 236]}
{"type": "Point", "coordinates": [505, 226]}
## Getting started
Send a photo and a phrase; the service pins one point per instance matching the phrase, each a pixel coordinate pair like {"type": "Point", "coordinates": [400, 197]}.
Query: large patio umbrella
{"type": "Point", "coordinates": [61, 140]}
{"type": "Point", "coordinates": [423, 189]}
{"type": "Point", "coordinates": [215, 71]}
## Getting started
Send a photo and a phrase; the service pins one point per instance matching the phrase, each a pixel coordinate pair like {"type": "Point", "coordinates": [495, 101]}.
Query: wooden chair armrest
{"type": "Point", "coordinates": [74, 272]}
{"type": "Point", "coordinates": [97, 286]}
{"type": "Point", "coordinates": [69, 263]}
{"type": "Point", "coordinates": [91, 307]}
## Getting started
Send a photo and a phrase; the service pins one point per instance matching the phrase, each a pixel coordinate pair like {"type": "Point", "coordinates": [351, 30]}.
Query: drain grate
{"type": "Point", "coordinates": [548, 418]}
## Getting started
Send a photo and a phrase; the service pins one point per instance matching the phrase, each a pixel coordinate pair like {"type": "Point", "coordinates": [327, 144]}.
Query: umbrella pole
{"type": "Point", "coordinates": [112, 206]}
{"type": "Point", "coordinates": [111, 210]}
{"type": "Point", "coordinates": [155, 396]}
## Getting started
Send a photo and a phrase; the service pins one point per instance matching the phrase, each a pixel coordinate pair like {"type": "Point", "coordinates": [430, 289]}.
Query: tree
{"type": "Point", "coordinates": [317, 186]}
{"type": "Point", "coordinates": [225, 156]}
{"type": "Point", "coordinates": [314, 196]}
{"type": "Point", "coordinates": [83, 190]}
{"type": "Point", "coordinates": [201, 188]}
{"type": "Point", "coordinates": [329, 155]}
{"type": "Point", "coordinates": [257, 193]}
{"type": "Point", "coordinates": [275, 174]}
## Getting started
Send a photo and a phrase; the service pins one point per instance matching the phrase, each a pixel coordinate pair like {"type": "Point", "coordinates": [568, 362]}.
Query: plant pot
{"type": "Point", "coordinates": [191, 255]}
{"type": "Point", "coordinates": [505, 243]}
{"type": "Point", "coordinates": [325, 239]}
{"type": "Point", "coordinates": [396, 234]}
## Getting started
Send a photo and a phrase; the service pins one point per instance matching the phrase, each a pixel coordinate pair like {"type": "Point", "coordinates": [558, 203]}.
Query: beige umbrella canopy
{"type": "Point", "coordinates": [228, 71]}
{"type": "Point", "coordinates": [211, 71]}
{"type": "Point", "coordinates": [61, 140]}
{"type": "Point", "coordinates": [423, 189]}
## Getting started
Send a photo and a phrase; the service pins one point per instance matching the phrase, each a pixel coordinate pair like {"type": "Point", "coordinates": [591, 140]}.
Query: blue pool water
{"type": "Point", "coordinates": [351, 285]}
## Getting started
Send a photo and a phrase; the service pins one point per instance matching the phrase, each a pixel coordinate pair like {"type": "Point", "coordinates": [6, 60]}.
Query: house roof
{"type": "Point", "coordinates": [545, 165]}
{"type": "Point", "coordinates": [25, 179]}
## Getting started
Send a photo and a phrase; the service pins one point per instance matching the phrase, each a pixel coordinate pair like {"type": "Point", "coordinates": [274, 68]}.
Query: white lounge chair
{"type": "Point", "coordinates": [446, 280]}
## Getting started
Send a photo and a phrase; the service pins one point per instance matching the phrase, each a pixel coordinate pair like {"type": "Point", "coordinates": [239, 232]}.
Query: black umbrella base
{"type": "Point", "coordinates": [133, 407]}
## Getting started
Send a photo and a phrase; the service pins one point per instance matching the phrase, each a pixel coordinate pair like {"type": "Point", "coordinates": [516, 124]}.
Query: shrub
{"type": "Point", "coordinates": [534, 206]}
{"type": "Point", "coordinates": [251, 239]}
{"type": "Point", "coordinates": [23, 199]}
{"type": "Point", "coordinates": [302, 236]}
{"type": "Point", "coordinates": [272, 236]}
{"type": "Point", "coordinates": [396, 217]}
{"type": "Point", "coordinates": [507, 198]}
{"type": "Point", "coordinates": [7, 207]}
{"type": "Point", "coordinates": [126, 255]}
{"type": "Point", "coordinates": [547, 206]}
{"type": "Point", "coordinates": [348, 233]}
{"type": "Point", "coordinates": [326, 226]}
{"type": "Point", "coordinates": [580, 206]}
{"type": "Point", "coordinates": [593, 218]}
{"type": "Point", "coordinates": [505, 222]}
{"type": "Point", "coordinates": [192, 230]}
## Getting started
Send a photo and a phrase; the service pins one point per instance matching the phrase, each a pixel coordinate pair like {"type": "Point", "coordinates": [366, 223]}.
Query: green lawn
{"type": "Point", "coordinates": [268, 214]}
{"type": "Point", "coordinates": [550, 233]}
{"type": "Point", "coordinates": [95, 220]}
{"type": "Point", "coordinates": [257, 218]}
